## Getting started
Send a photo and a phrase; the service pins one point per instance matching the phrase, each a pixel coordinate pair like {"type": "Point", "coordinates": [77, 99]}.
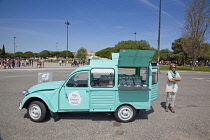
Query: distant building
{"type": "Point", "coordinates": [89, 54]}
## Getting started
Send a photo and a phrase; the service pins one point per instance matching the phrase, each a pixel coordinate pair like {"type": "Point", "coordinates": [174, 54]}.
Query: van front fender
{"type": "Point", "coordinates": [34, 97]}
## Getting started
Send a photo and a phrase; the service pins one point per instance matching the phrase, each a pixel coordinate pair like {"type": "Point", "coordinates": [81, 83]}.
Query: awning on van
{"type": "Point", "coordinates": [135, 58]}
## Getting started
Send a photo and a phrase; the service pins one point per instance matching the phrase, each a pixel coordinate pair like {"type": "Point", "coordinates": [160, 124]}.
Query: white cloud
{"type": "Point", "coordinates": [155, 7]}
{"type": "Point", "coordinates": [148, 3]}
{"type": "Point", "coordinates": [180, 2]}
{"type": "Point", "coordinates": [23, 31]}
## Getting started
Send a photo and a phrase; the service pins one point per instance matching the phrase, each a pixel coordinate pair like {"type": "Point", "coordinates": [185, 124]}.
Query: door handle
{"type": "Point", "coordinates": [87, 90]}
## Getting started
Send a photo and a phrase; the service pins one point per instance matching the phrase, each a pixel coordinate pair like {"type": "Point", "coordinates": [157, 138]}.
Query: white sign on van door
{"type": "Point", "coordinates": [74, 98]}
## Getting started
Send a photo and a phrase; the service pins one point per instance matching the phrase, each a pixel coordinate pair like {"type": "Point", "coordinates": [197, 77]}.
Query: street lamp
{"type": "Point", "coordinates": [159, 32]}
{"type": "Point", "coordinates": [135, 35]}
{"type": "Point", "coordinates": [67, 23]}
{"type": "Point", "coordinates": [14, 44]}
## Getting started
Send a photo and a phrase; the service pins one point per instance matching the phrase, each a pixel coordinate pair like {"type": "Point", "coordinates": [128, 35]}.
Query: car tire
{"type": "Point", "coordinates": [125, 113]}
{"type": "Point", "coordinates": [37, 111]}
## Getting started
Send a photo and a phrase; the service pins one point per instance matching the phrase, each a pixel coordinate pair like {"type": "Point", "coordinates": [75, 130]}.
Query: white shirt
{"type": "Point", "coordinates": [169, 84]}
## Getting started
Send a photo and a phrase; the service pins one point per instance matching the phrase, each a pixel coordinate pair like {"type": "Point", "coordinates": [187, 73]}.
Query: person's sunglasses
{"type": "Point", "coordinates": [173, 67]}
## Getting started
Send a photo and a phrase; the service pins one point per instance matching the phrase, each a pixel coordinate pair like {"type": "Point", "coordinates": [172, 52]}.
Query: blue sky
{"type": "Point", "coordinates": [95, 24]}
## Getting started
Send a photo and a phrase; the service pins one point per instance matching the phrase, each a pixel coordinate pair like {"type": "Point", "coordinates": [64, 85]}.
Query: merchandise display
{"type": "Point", "coordinates": [129, 80]}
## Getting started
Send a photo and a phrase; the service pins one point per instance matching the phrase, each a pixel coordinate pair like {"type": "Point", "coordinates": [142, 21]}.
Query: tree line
{"type": "Point", "coordinates": [177, 54]}
{"type": "Point", "coordinates": [81, 54]}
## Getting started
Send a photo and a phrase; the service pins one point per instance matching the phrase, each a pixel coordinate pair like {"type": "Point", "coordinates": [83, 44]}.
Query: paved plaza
{"type": "Point", "coordinates": [190, 122]}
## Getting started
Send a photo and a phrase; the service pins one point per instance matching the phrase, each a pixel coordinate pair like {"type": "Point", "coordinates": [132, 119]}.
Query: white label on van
{"type": "Point", "coordinates": [74, 98]}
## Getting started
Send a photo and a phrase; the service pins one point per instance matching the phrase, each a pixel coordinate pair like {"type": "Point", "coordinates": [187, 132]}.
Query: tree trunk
{"type": "Point", "coordinates": [193, 64]}
{"type": "Point", "coordinates": [192, 67]}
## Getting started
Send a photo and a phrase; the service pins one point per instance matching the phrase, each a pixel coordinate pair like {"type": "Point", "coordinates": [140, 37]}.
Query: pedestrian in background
{"type": "Point", "coordinates": [42, 63]}
{"type": "Point", "coordinates": [13, 63]}
{"type": "Point", "coordinates": [1, 62]}
{"type": "Point", "coordinates": [32, 63]}
{"type": "Point", "coordinates": [60, 62]}
{"type": "Point", "coordinates": [9, 64]}
{"type": "Point", "coordinates": [18, 62]}
{"type": "Point", "coordinates": [5, 64]}
{"type": "Point", "coordinates": [172, 87]}
{"type": "Point", "coordinates": [39, 63]}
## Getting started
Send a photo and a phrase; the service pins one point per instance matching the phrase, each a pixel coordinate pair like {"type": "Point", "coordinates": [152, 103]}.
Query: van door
{"type": "Point", "coordinates": [154, 87]}
{"type": "Point", "coordinates": [74, 95]}
{"type": "Point", "coordinates": [102, 89]}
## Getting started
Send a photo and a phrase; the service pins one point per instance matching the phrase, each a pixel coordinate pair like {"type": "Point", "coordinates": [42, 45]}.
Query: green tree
{"type": "Point", "coordinates": [207, 55]}
{"type": "Point", "coordinates": [36, 55]}
{"type": "Point", "coordinates": [19, 54]}
{"type": "Point", "coordinates": [55, 54]}
{"type": "Point", "coordinates": [177, 45]}
{"type": "Point", "coordinates": [130, 44]}
{"type": "Point", "coordinates": [81, 53]}
{"type": "Point", "coordinates": [28, 54]}
{"type": "Point", "coordinates": [44, 54]}
{"type": "Point", "coordinates": [63, 54]}
{"type": "Point", "coordinates": [165, 54]}
{"type": "Point", "coordinates": [196, 27]}
{"type": "Point", "coordinates": [134, 45]}
{"type": "Point", "coordinates": [105, 53]}
{"type": "Point", "coordinates": [3, 54]}
{"type": "Point", "coordinates": [178, 50]}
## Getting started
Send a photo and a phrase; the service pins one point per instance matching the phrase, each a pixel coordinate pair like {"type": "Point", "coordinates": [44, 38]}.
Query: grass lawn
{"type": "Point", "coordinates": [187, 68]}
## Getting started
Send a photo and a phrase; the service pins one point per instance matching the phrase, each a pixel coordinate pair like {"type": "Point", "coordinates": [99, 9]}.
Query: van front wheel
{"type": "Point", "coordinates": [125, 113]}
{"type": "Point", "coordinates": [37, 111]}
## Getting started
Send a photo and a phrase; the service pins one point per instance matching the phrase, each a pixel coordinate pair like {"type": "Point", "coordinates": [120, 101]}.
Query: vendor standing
{"type": "Point", "coordinates": [172, 87]}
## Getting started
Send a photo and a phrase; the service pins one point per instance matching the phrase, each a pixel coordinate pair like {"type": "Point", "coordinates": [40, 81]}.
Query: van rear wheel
{"type": "Point", "coordinates": [125, 113]}
{"type": "Point", "coordinates": [37, 111]}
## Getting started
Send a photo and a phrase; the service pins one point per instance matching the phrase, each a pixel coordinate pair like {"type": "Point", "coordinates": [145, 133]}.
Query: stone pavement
{"type": "Point", "coordinates": [190, 122]}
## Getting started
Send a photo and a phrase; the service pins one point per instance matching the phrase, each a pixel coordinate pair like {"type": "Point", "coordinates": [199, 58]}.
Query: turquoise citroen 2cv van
{"type": "Point", "coordinates": [99, 87]}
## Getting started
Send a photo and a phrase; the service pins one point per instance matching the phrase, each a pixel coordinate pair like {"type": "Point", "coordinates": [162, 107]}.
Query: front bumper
{"type": "Point", "coordinates": [20, 105]}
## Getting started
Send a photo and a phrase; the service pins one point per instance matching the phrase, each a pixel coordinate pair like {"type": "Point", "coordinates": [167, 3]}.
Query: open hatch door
{"type": "Point", "coordinates": [135, 58]}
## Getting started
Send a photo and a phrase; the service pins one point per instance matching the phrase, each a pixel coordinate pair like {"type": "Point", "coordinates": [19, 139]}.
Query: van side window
{"type": "Point", "coordinates": [102, 77]}
{"type": "Point", "coordinates": [144, 74]}
{"type": "Point", "coordinates": [154, 76]}
{"type": "Point", "coordinates": [78, 80]}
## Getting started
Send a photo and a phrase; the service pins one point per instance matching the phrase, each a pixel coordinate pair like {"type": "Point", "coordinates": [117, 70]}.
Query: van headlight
{"type": "Point", "coordinates": [25, 92]}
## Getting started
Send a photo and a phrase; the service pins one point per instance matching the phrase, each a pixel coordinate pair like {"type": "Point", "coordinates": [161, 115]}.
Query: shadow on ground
{"type": "Point", "coordinates": [97, 116]}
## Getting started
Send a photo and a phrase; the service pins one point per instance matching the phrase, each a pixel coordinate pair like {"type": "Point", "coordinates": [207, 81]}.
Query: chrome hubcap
{"type": "Point", "coordinates": [125, 113]}
{"type": "Point", "coordinates": [35, 111]}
